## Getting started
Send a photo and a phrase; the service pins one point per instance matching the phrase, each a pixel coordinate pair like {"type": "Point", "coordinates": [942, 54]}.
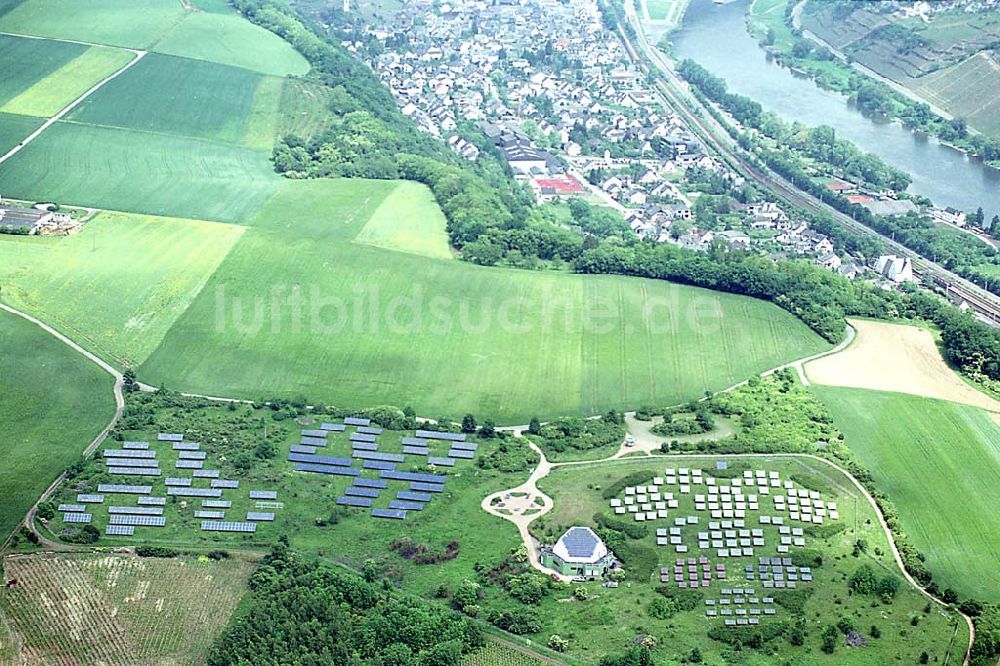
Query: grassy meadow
{"type": "Point", "coordinates": [14, 128]}
{"type": "Point", "coordinates": [53, 402]}
{"type": "Point", "coordinates": [134, 24]}
{"type": "Point", "coordinates": [422, 232]}
{"type": "Point", "coordinates": [939, 462]}
{"type": "Point", "coordinates": [35, 58]}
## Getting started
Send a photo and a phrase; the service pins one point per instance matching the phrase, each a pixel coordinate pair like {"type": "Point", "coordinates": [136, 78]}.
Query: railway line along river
{"type": "Point", "coordinates": [715, 36]}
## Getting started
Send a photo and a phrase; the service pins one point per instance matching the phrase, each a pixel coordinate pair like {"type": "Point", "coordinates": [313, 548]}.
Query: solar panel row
{"type": "Point", "coordinates": [415, 441]}
{"type": "Point", "coordinates": [447, 436]}
{"type": "Point", "coordinates": [357, 421]}
{"type": "Point", "coordinates": [426, 487]}
{"type": "Point", "coordinates": [441, 462]}
{"type": "Point", "coordinates": [333, 427]}
{"type": "Point", "coordinates": [314, 433]}
{"type": "Point", "coordinates": [217, 526]}
{"type": "Point", "coordinates": [152, 501]}
{"type": "Point", "coordinates": [302, 448]}
{"type": "Point", "coordinates": [416, 451]}
{"type": "Point", "coordinates": [135, 445]}
{"type": "Point", "coordinates": [462, 453]}
{"type": "Point", "coordinates": [370, 430]}
{"type": "Point", "coordinates": [90, 498]}
{"type": "Point", "coordinates": [195, 492]}
{"type": "Point", "coordinates": [192, 455]}
{"type": "Point", "coordinates": [120, 488]}
{"type": "Point", "coordinates": [128, 453]}
{"type": "Point", "coordinates": [260, 516]}
{"type": "Point", "coordinates": [364, 446]}
{"type": "Point", "coordinates": [170, 437]}
{"type": "Point", "coordinates": [354, 501]}
{"type": "Point", "coordinates": [403, 504]}
{"type": "Point", "coordinates": [264, 494]}
{"type": "Point", "coordinates": [134, 471]}
{"type": "Point", "coordinates": [378, 464]}
{"type": "Point", "coordinates": [396, 514]}
{"type": "Point", "coordinates": [137, 510]}
{"type": "Point", "coordinates": [361, 437]}
{"type": "Point", "coordinates": [205, 473]}
{"type": "Point", "coordinates": [119, 530]}
{"type": "Point", "coordinates": [72, 507]}
{"type": "Point", "coordinates": [376, 455]}
{"type": "Point", "coordinates": [209, 514]}
{"type": "Point", "coordinates": [319, 460]}
{"type": "Point", "coordinates": [225, 483]}
{"type": "Point", "coordinates": [132, 462]}
{"type": "Point", "coordinates": [186, 446]}
{"type": "Point", "coordinates": [141, 521]}
{"type": "Point", "coordinates": [362, 492]}
{"type": "Point", "coordinates": [181, 482]}
{"type": "Point", "coordinates": [464, 446]}
{"type": "Point", "coordinates": [313, 441]}
{"type": "Point", "coordinates": [327, 469]}
{"type": "Point", "coordinates": [77, 517]}
{"type": "Point", "coordinates": [414, 476]}
{"type": "Point", "coordinates": [370, 483]}
{"type": "Point", "coordinates": [216, 504]}
{"type": "Point", "coordinates": [412, 496]}
{"type": "Point", "coordinates": [189, 464]}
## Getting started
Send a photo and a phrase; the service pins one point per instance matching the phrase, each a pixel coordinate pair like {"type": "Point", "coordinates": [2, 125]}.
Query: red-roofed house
{"type": "Point", "coordinates": [547, 189]}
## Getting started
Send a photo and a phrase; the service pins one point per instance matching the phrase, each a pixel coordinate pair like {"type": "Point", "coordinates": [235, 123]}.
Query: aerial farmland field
{"type": "Point", "coordinates": [115, 609]}
{"type": "Point", "coordinates": [53, 402]}
{"type": "Point", "coordinates": [14, 128]}
{"type": "Point", "coordinates": [134, 24]}
{"type": "Point", "coordinates": [36, 59]}
{"type": "Point", "coordinates": [939, 462]}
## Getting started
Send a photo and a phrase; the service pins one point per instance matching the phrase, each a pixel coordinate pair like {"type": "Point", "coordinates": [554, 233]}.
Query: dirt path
{"type": "Point", "coordinates": [72, 105]}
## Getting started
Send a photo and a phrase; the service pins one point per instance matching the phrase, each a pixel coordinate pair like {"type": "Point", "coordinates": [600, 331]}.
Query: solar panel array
{"type": "Point", "coordinates": [464, 446]}
{"type": "Point", "coordinates": [222, 526]}
{"type": "Point", "coordinates": [447, 436]}
{"type": "Point", "coordinates": [170, 437]}
{"type": "Point", "coordinates": [357, 421]}
{"type": "Point", "coordinates": [205, 473]}
{"type": "Point", "coordinates": [152, 501]}
{"type": "Point", "coordinates": [365, 446]}
{"type": "Point", "coordinates": [260, 515]}
{"type": "Point", "coordinates": [192, 455]}
{"type": "Point", "coordinates": [462, 453]}
{"type": "Point", "coordinates": [415, 441]}
{"type": "Point", "coordinates": [314, 433]}
{"type": "Point", "coordinates": [139, 521]}
{"type": "Point", "coordinates": [128, 453]}
{"type": "Point", "coordinates": [186, 446]}
{"type": "Point", "coordinates": [135, 471]}
{"type": "Point", "coordinates": [370, 430]}
{"type": "Point", "coordinates": [412, 496]}
{"type": "Point", "coordinates": [77, 517]}
{"type": "Point", "coordinates": [209, 514]}
{"type": "Point", "coordinates": [216, 504]}
{"type": "Point", "coordinates": [378, 464]}
{"type": "Point", "coordinates": [135, 445]}
{"type": "Point", "coordinates": [189, 464]}
{"type": "Point", "coordinates": [121, 488]}
{"type": "Point", "coordinates": [225, 483]}
{"type": "Point", "coordinates": [319, 460]}
{"type": "Point", "coordinates": [313, 441]}
{"type": "Point", "coordinates": [327, 469]}
{"type": "Point", "coordinates": [369, 483]}
{"type": "Point", "coordinates": [396, 514]}
{"type": "Point", "coordinates": [426, 487]}
{"type": "Point", "coordinates": [422, 477]}
{"type": "Point", "coordinates": [376, 455]}
{"type": "Point", "coordinates": [90, 498]}
{"type": "Point", "coordinates": [119, 530]}
{"type": "Point", "coordinates": [72, 507]}
{"type": "Point", "coordinates": [361, 437]}
{"type": "Point", "coordinates": [441, 462]}
{"type": "Point", "coordinates": [179, 481]}
{"type": "Point", "coordinates": [137, 510]}
{"type": "Point", "coordinates": [403, 504]}
{"type": "Point", "coordinates": [354, 501]}
{"type": "Point", "coordinates": [361, 492]}
{"type": "Point", "coordinates": [333, 427]}
{"type": "Point", "coordinates": [132, 462]}
{"type": "Point", "coordinates": [195, 492]}
{"type": "Point", "coordinates": [416, 450]}
{"type": "Point", "coordinates": [303, 448]}
{"type": "Point", "coordinates": [264, 494]}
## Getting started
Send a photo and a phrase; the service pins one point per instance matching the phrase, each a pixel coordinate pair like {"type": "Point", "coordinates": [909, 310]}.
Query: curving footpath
{"type": "Point", "coordinates": [530, 487]}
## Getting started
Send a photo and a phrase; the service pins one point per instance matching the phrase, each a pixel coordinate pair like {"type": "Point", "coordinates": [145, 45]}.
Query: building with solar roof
{"type": "Point", "coordinates": [579, 553]}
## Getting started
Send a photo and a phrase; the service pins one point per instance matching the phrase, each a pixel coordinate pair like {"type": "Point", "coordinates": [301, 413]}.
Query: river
{"type": "Point", "coordinates": [715, 36]}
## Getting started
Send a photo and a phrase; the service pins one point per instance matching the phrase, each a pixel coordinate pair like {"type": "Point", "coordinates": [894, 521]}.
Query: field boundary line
{"type": "Point", "coordinates": [72, 105]}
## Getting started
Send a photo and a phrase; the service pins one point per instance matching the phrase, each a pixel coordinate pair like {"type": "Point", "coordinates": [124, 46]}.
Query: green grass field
{"type": "Point", "coordinates": [939, 463]}
{"type": "Point", "coordinates": [172, 95]}
{"type": "Point", "coordinates": [117, 287]}
{"type": "Point", "coordinates": [295, 303]}
{"type": "Point", "coordinates": [54, 92]}
{"type": "Point", "coordinates": [34, 59]}
{"type": "Point", "coordinates": [13, 129]}
{"type": "Point", "coordinates": [155, 174]}
{"type": "Point", "coordinates": [223, 38]}
{"type": "Point", "coordinates": [135, 24]}
{"type": "Point", "coordinates": [53, 402]}
{"type": "Point", "coordinates": [616, 616]}
{"type": "Point", "coordinates": [409, 220]}
{"type": "Point", "coordinates": [304, 109]}
{"type": "Point", "coordinates": [959, 90]}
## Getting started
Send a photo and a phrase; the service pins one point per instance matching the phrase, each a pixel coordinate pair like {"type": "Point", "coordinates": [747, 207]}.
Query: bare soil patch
{"type": "Point", "coordinates": [895, 357]}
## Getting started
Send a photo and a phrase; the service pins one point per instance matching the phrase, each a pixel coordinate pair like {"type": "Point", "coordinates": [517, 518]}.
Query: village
{"type": "Point", "coordinates": [544, 83]}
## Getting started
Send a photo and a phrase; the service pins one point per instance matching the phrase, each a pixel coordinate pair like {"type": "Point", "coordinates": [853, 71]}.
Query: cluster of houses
{"type": "Point", "coordinates": [37, 221]}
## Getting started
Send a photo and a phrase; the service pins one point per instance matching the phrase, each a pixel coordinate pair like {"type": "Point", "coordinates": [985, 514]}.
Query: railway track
{"type": "Point", "coordinates": [673, 93]}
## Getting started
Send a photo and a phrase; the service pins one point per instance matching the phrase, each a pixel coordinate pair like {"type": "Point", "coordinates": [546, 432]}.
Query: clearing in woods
{"type": "Point", "coordinates": [500, 654]}
{"type": "Point", "coordinates": [939, 463]}
{"type": "Point", "coordinates": [53, 402]}
{"type": "Point", "coordinates": [895, 357]}
{"type": "Point", "coordinates": [117, 609]}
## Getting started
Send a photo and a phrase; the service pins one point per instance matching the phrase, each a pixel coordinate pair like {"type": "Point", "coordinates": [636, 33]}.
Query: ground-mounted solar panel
{"type": "Point", "coordinates": [364, 446]}
{"type": "Point", "coordinates": [217, 504]}
{"type": "Point", "coordinates": [195, 492]}
{"type": "Point", "coordinates": [415, 441]}
{"type": "Point", "coordinates": [357, 421]}
{"type": "Point", "coordinates": [426, 487]}
{"type": "Point", "coordinates": [189, 464]}
{"type": "Point", "coordinates": [327, 469]}
{"type": "Point", "coordinates": [151, 501]}
{"type": "Point", "coordinates": [170, 437]}
{"type": "Point", "coordinates": [225, 483]}
{"type": "Point", "coordinates": [122, 488]}
{"type": "Point", "coordinates": [225, 526]}
{"type": "Point", "coordinates": [138, 521]}
{"type": "Point", "coordinates": [260, 516]}
{"type": "Point", "coordinates": [461, 454]}
{"type": "Point", "coordinates": [205, 473]}
{"type": "Point", "coordinates": [354, 501]}
{"type": "Point", "coordinates": [378, 455]}
{"type": "Point", "coordinates": [314, 433]}
{"type": "Point", "coordinates": [422, 477]}
{"type": "Point", "coordinates": [361, 437]}
{"type": "Point", "coordinates": [333, 427]}
{"type": "Point", "coordinates": [411, 496]}
{"type": "Point", "coordinates": [179, 481]}
{"type": "Point", "coordinates": [192, 455]}
{"type": "Point", "coordinates": [210, 514]}
{"type": "Point", "coordinates": [362, 492]}
{"type": "Point", "coordinates": [264, 494]}
{"type": "Point", "coordinates": [186, 446]}
{"type": "Point", "coordinates": [370, 430]}
{"type": "Point", "coordinates": [72, 508]}
{"type": "Point", "coordinates": [319, 460]}
{"type": "Point", "coordinates": [90, 498]}
{"type": "Point", "coordinates": [131, 462]}
{"type": "Point", "coordinates": [370, 483]}
{"type": "Point", "coordinates": [134, 471]}
{"type": "Point", "coordinates": [379, 465]}
{"type": "Point", "coordinates": [77, 517]}
{"type": "Point", "coordinates": [135, 445]}
{"type": "Point", "coordinates": [464, 446]}
{"type": "Point", "coordinates": [405, 505]}
{"type": "Point", "coordinates": [119, 530]}
{"type": "Point", "coordinates": [129, 453]}
{"type": "Point", "coordinates": [137, 510]}
{"type": "Point", "coordinates": [313, 441]}
{"type": "Point", "coordinates": [441, 462]}
{"type": "Point", "coordinates": [447, 436]}
{"type": "Point", "coordinates": [395, 514]}
{"type": "Point", "coordinates": [416, 451]}
{"type": "Point", "coordinates": [303, 448]}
